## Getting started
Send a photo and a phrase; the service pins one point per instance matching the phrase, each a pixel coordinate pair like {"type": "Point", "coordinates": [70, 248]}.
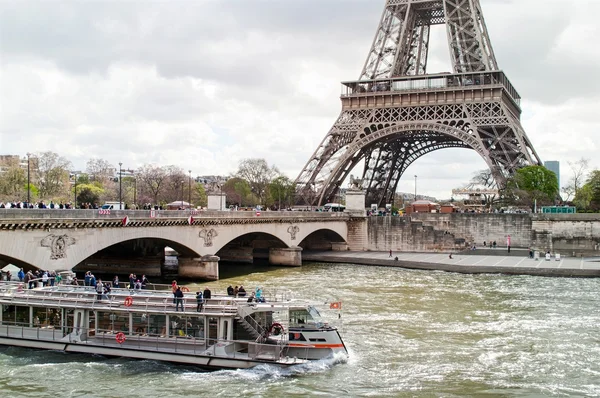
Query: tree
{"type": "Point", "coordinates": [99, 170]}
{"type": "Point", "coordinates": [151, 181]}
{"type": "Point", "coordinates": [199, 197]}
{"type": "Point", "coordinates": [176, 184]}
{"type": "Point", "coordinates": [13, 182]}
{"type": "Point", "coordinates": [258, 174]}
{"type": "Point", "coordinates": [88, 193]}
{"type": "Point", "coordinates": [579, 169]}
{"type": "Point", "coordinates": [53, 174]}
{"type": "Point", "coordinates": [588, 196]}
{"type": "Point", "coordinates": [237, 191]}
{"type": "Point", "coordinates": [281, 190]}
{"type": "Point", "coordinates": [530, 185]}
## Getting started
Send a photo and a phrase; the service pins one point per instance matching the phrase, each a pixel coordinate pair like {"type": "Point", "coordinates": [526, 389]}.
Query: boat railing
{"type": "Point", "coordinates": [160, 343]}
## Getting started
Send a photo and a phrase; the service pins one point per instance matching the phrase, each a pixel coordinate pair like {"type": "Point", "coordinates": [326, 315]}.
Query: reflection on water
{"type": "Point", "coordinates": [409, 333]}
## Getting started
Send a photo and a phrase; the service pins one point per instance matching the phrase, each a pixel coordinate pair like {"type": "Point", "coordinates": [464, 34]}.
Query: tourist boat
{"type": "Point", "coordinates": [228, 332]}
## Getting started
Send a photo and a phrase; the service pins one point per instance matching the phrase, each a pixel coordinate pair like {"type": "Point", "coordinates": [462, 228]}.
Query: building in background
{"type": "Point", "coordinates": [554, 166]}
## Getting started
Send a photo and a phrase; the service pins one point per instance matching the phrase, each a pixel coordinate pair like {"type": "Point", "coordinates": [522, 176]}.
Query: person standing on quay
{"type": "Point", "coordinates": [390, 254]}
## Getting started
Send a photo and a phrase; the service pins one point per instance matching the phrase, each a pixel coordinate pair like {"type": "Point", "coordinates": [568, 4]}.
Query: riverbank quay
{"type": "Point", "coordinates": [466, 263]}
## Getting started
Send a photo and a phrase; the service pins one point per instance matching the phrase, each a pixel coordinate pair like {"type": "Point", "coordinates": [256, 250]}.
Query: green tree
{"type": "Point", "coordinates": [199, 197]}
{"type": "Point", "coordinates": [281, 190]}
{"type": "Point", "coordinates": [238, 191]}
{"type": "Point", "coordinates": [590, 192]}
{"type": "Point", "coordinates": [531, 184]}
{"type": "Point", "coordinates": [13, 183]}
{"type": "Point", "coordinates": [53, 175]}
{"type": "Point", "coordinates": [259, 175]}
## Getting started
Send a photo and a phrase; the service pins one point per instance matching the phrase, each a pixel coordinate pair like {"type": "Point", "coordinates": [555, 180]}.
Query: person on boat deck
{"type": "Point", "coordinates": [58, 279]}
{"type": "Point", "coordinates": [45, 279]}
{"type": "Point", "coordinates": [21, 275]}
{"type": "Point", "coordinates": [116, 281]}
{"type": "Point", "coordinates": [178, 299]}
{"type": "Point", "coordinates": [92, 280]}
{"type": "Point", "coordinates": [259, 295]}
{"type": "Point", "coordinates": [145, 281]}
{"type": "Point", "coordinates": [230, 290]}
{"type": "Point", "coordinates": [242, 291]}
{"type": "Point", "coordinates": [206, 293]}
{"type": "Point", "coordinates": [251, 298]}
{"type": "Point", "coordinates": [52, 278]}
{"type": "Point", "coordinates": [236, 290]}
{"type": "Point", "coordinates": [199, 301]}
{"type": "Point", "coordinates": [138, 285]}
{"type": "Point", "coordinates": [99, 289]}
{"type": "Point", "coordinates": [131, 281]}
{"type": "Point", "coordinates": [174, 288]}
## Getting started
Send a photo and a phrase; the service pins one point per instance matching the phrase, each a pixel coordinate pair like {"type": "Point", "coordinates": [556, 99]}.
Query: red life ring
{"type": "Point", "coordinates": [276, 329]}
{"type": "Point", "coordinates": [128, 301]}
{"type": "Point", "coordinates": [185, 289]}
{"type": "Point", "coordinates": [120, 337]}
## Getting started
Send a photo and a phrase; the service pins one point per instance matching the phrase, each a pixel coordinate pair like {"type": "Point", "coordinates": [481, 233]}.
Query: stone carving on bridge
{"type": "Point", "coordinates": [58, 245]}
{"type": "Point", "coordinates": [293, 230]}
{"type": "Point", "coordinates": [208, 235]}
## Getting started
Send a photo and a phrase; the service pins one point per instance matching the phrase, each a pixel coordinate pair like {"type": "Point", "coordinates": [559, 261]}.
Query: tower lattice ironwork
{"type": "Point", "coordinates": [395, 113]}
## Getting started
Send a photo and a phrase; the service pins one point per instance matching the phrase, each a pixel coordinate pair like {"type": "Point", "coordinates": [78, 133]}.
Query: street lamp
{"type": "Point", "coordinates": [120, 188]}
{"type": "Point", "coordinates": [75, 191]}
{"type": "Point", "coordinates": [134, 193]}
{"type": "Point", "coordinates": [182, 208]}
{"type": "Point", "coordinates": [28, 182]}
{"type": "Point", "coordinates": [190, 188]}
{"type": "Point", "coordinates": [220, 196]}
{"type": "Point", "coordinates": [415, 187]}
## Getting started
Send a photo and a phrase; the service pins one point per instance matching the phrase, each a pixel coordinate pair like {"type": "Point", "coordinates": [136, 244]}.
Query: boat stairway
{"type": "Point", "coordinates": [255, 331]}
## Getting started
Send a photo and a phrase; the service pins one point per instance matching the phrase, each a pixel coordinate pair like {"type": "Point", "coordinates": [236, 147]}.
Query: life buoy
{"type": "Point", "coordinates": [120, 337]}
{"type": "Point", "coordinates": [297, 336]}
{"type": "Point", "coordinates": [185, 289]}
{"type": "Point", "coordinates": [276, 329]}
{"type": "Point", "coordinates": [128, 301]}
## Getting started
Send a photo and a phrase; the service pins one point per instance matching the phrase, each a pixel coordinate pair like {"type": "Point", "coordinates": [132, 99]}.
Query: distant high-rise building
{"type": "Point", "coordinates": [554, 166]}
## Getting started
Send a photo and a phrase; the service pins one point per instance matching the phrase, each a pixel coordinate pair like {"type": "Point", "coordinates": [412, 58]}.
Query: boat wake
{"type": "Point", "coordinates": [268, 372]}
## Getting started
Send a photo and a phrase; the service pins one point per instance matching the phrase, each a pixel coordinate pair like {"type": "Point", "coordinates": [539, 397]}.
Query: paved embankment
{"type": "Point", "coordinates": [466, 263]}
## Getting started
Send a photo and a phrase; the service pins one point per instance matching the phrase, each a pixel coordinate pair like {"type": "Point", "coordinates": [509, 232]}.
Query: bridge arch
{"type": "Point", "coordinates": [321, 239]}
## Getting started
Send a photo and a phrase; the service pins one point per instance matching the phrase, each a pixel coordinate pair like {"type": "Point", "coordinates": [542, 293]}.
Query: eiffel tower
{"type": "Point", "coordinates": [396, 112]}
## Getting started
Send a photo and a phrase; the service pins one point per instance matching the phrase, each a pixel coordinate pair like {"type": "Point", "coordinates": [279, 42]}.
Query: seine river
{"type": "Point", "coordinates": [410, 334]}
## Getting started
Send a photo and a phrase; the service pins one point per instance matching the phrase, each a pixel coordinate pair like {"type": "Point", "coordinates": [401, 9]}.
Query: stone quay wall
{"type": "Point", "coordinates": [567, 234]}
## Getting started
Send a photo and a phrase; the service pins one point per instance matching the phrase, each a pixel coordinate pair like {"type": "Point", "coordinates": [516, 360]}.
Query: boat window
{"type": "Point", "coordinates": [49, 318]}
{"type": "Point", "coordinates": [113, 322]}
{"type": "Point", "coordinates": [15, 315]}
{"type": "Point", "coordinates": [190, 327]}
{"type": "Point", "coordinates": [314, 313]}
{"type": "Point", "coordinates": [317, 340]}
{"type": "Point", "coordinates": [300, 317]}
{"type": "Point", "coordinates": [157, 325]}
{"type": "Point", "coordinates": [297, 337]}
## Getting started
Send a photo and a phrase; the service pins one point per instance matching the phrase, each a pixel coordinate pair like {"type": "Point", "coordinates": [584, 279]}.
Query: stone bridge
{"type": "Point", "coordinates": [65, 239]}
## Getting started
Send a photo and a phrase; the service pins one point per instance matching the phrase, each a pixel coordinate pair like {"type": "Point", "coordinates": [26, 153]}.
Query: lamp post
{"type": "Point", "coordinates": [120, 188]}
{"type": "Point", "coordinates": [190, 189]}
{"type": "Point", "coordinates": [182, 182]}
{"type": "Point", "coordinates": [134, 192]}
{"type": "Point", "coordinates": [75, 191]}
{"type": "Point", "coordinates": [415, 187]}
{"type": "Point", "coordinates": [28, 182]}
{"type": "Point", "coordinates": [220, 196]}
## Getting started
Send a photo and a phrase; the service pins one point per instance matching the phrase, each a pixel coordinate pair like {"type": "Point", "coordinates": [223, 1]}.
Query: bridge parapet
{"type": "Point", "coordinates": [56, 218]}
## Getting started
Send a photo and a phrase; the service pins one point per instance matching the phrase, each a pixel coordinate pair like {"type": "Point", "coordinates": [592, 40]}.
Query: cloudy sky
{"type": "Point", "coordinates": [203, 84]}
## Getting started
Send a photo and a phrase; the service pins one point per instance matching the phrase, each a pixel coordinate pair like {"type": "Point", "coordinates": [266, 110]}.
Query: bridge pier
{"type": "Point", "coordinates": [205, 267]}
{"type": "Point", "coordinates": [290, 256]}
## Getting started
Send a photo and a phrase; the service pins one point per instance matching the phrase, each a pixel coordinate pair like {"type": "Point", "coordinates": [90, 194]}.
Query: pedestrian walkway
{"type": "Point", "coordinates": [466, 263]}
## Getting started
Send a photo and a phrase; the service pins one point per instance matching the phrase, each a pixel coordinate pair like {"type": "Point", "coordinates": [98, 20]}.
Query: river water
{"type": "Point", "coordinates": [409, 333]}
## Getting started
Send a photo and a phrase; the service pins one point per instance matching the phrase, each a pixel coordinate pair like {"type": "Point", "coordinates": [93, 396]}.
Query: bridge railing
{"type": "Point", "coordinates": [40, 214]}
